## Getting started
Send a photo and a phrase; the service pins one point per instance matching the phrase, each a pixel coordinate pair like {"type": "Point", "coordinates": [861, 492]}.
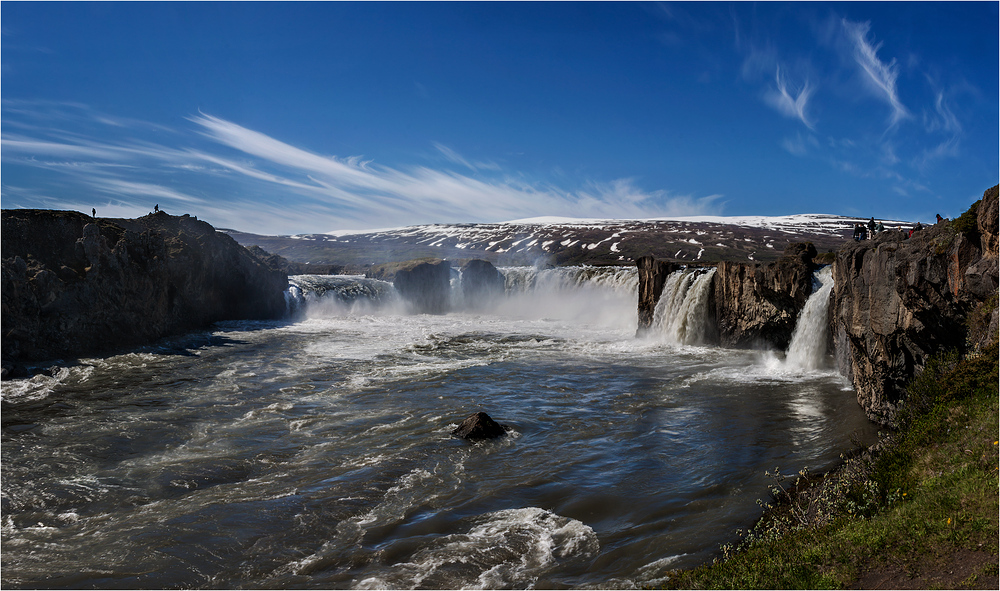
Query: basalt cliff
{"type": "Point", "coordinates": [897, 300]}
{"type": "Point", "coordinates": [750, 304]}
{"type": "Point", "coordinates": [73, 285]}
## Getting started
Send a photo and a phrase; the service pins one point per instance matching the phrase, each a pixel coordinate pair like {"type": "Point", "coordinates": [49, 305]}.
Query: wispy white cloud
{"type": "Point", "coordinates": [880, 75]}
{"type": "Point", "coordinates": [941, 119]}
{"type": "Point", "coordinates": [235, 176]}
{"type": "Point", "coordinates": [135, 189]}
{"type": "Point", "coordinates": [781, 98]}
{"type": "Point", "coordinates": [453, 156]}
{"type": "Point", "coordinates": [800, 145]}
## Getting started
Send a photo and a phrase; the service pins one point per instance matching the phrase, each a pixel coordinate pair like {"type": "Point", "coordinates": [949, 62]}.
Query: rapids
{"type": "Point", "coordinates": [316, 452]}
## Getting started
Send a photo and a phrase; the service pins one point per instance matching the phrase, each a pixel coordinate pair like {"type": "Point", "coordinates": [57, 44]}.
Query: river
{"type": "Point", "coordinates": [316, 452]}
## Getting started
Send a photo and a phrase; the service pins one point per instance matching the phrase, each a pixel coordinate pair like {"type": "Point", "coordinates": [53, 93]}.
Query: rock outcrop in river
{"type": "Point", "coordinates": [480, 426]}
{"type": "Point", "coordinates": [482, 283]}
{"type": "Point", "coordinates": [758, 304]}
{"type": "Point", "coordinates": [898, 300]}
{"type": "Point", "coordinates": [753, 304]}
{"type": "Point", "coordinates": [74, 285]}
{"type": "Point", "coordinates": [426, 286]}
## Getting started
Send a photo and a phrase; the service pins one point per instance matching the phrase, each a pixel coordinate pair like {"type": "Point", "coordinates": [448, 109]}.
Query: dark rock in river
{"type": "Point", "coordinates": [652, 276]}
{"type": "Point", "coordinates": [758, 304]}
{"type": "Point", "coordinates": [480, 426]}
{"type": "Point", "coordinates": [481, 283]}
{"type": "Point", "coordinates": [73, 285]}
{"type": "Point", "coordinates": [426, 286]}
{"type": "Point", "coordinates": [898, 300]}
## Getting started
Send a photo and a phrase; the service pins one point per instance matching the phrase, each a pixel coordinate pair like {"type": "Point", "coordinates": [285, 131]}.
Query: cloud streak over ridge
{"type": "Point", "coordinates": [240, 177]}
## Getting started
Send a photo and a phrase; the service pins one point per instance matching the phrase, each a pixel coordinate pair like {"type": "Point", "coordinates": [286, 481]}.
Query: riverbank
{"type": "Point", "coordinates": [918, 510]}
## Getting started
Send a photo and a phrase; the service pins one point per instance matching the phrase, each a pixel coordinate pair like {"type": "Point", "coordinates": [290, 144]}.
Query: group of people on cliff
{"type": "Point", "coordinates": [867, 232]}
{"type": "Point", "coordinates": [870, 230]}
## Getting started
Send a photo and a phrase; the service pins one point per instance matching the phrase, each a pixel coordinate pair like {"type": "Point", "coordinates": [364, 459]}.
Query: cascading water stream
{"type": "Point", "coordinates": [808, 349]}
{"type": "Point", "coordinates": [681, 315]}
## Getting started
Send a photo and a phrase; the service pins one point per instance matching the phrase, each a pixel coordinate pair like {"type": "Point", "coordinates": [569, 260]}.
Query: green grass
{"type": "Point", "coordinates": [931, 491]}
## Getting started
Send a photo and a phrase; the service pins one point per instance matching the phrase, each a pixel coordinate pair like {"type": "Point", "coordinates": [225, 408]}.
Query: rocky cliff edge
{"type": "Point", "coordinates": [899, 299]}
{"type": "Point", "coordinates": [73, 285]}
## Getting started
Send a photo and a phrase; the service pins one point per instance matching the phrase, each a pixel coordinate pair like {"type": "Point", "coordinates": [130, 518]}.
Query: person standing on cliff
{"type": "Point", "coordinates": [93, 211]}
{"type": "Point", "coordinates": [871, 228]}
{"type": "Point", "coordinates": [156, 208]}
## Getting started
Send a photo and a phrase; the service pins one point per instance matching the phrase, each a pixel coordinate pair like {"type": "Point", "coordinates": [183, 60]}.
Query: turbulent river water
{"type": "Point", "coordinates": [316, 452]}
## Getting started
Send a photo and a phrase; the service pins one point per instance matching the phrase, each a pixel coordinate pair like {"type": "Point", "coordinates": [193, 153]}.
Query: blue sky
{"type": "Point", "coordinates": [309, 117]}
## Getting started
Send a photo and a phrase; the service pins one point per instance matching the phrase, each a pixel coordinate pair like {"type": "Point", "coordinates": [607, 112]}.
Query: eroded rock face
{"type": "Point", "coordinates": [482, 283]}
{"type": "Point", "coordinates": [898, 300]}
{"type": "Point", "coordinates": [480, 426]}
{"type": "Point", "coordinates": [987, 217]}
{"type": "Point", "coordinates": [652, 276]}
{"type": "Point", "coordinates": [73, 285]}
{"type": "Point", "coordinates": [426, 287]}
{"type": "Point", "coordinates": [757, 305]}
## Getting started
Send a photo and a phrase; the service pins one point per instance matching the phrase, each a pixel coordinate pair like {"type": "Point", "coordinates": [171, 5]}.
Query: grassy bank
{"type": "Point", "coordinates": [918, 510]}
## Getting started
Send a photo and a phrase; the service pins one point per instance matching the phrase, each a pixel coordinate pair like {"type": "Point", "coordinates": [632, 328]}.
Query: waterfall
{"type": "Point", "coordinates": [526, 279]}
{"type": "Point", "coordinates": [605, 295]}
{"type": "Point", "coordinates": [337, 294]}
{"type": "Point", "coordinates": [807, 350]}
{"type": "Point", "coordinates": [681, 315]}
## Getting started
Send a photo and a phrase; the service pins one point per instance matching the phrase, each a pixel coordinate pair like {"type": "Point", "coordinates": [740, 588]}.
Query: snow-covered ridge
{"type": "Point", "coordinates": [574, 241]}
{"type": "Point", "coordinates": [829, 223]}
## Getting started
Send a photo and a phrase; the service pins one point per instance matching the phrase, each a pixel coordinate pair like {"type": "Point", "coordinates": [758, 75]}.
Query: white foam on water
{"type": "Point", "coordinates": [502, 550]}
{"type": "Point", "coordinates": [35, 388]}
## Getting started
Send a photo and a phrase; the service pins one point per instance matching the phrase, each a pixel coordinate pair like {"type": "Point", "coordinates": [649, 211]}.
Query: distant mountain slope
{"type": "Point", "coordinates": [562, 241]}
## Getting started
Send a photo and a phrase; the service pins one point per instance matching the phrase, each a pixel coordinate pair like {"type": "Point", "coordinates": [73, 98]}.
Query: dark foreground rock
{"type": "Point", "coordinates": [480, 426]}
{"type": "Point", "coordinates": [426, 286]}
{"type": "Point", "coordinates": [73, 285]}
{"type": "Point", "coordinates": [897, 300]}
{"type": "Point", "coordinates": [758, 304]}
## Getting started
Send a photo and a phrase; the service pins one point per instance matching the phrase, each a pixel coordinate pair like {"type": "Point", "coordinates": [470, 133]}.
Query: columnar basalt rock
{"type": "Point", "coordinates": [753, 304]}
{"type": "Point", "coordinates": [757, 305]}
{"type": "Point", "coordinates": [897, 300]}
{"type": "Point", "coordinates": [73, 285]}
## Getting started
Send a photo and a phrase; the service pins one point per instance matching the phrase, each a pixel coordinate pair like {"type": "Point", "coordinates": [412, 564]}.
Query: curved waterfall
{"type": "Point", "coordinates": [603, 293]}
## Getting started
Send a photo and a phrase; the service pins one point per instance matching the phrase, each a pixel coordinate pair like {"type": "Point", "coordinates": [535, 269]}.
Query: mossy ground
{"type": "Point", "coordinates": [920, 511]}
